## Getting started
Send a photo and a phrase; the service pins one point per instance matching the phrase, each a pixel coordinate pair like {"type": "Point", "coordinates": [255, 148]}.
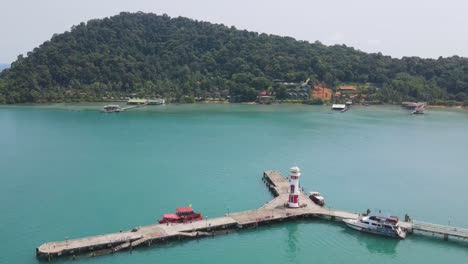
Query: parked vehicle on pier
{"type": "Point", "coordinates": [317, 198]}
{"type": "Point", "coordinates": [182, 215]}
{"type": "Point", "coordinates": [378, 223]}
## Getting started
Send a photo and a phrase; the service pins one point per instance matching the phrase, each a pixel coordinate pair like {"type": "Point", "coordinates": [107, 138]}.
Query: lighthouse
{"type": "Point", "coordinates": [294, 174]}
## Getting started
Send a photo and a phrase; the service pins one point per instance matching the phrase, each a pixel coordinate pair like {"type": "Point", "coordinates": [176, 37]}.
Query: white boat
{"type": "Point", "coordinates": [111, 109]}
{"type": "Point", "coordinates": [338, 106]}
{"type": "Point", "coordinates": [378, 223]}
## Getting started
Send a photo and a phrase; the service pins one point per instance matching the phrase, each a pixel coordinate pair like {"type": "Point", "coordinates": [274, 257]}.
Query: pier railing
{"type": "Point", "coordinates": [442, 229]}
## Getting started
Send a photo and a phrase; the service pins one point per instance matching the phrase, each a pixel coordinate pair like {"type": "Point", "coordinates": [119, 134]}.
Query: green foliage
{"type": "Point", "coordinates": [188, 99]}
{"type": "Point", "coordinates": [292, 101]}
{"type": "Point", "coordinates": [151, 55]}
{"type": "Point", "coordinates": [446, 102]}
{"type": "Point", "coordinates": [315, 101]}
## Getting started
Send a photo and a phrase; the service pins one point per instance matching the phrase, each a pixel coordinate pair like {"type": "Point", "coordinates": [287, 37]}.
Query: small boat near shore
{"type": "Point", "coordinates": [418, 110]}
{"type": "Point", "coordinates": [379, 224]}
{"type": "Point", "coordinates": [111, 109]}
{"type": "Point", "coordinates": [338, 107]}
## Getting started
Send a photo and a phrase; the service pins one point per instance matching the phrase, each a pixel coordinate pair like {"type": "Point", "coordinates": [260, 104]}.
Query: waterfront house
{"type": "Point", "coordinates": [137, 101]}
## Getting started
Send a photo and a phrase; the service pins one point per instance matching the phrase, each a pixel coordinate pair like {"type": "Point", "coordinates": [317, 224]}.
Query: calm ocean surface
{"type": "Point", "coordinates": [69, 171]}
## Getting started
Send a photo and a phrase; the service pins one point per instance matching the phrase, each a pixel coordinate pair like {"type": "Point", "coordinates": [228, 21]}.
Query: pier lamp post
{"type": "Point", "coordinates": [228, 210]}
{"type": "Point", "coordinates": [206, 218]}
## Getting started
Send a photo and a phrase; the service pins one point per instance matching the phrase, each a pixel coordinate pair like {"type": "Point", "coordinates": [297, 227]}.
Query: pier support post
{"type": "Point", "coordinates": [445, 237]}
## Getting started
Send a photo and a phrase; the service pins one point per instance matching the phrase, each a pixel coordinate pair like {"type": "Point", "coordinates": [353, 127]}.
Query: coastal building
{"type": "Point", "coordinates": [294, 190]}
{"type": "Point", "coordinates": [298, 94]}
{"type": "Point", "coordinates": [266, 99]}
{"type": "Point", "coordinates": [137, 101]}
{"type": "Point", "coordinates": [346, 92]}
{"type": "Point", "coordinates": [321, 92]}
{"type": "Point", "coordinates": [158, 101]}
{"type": "Point", "coordinates": [348, 88]}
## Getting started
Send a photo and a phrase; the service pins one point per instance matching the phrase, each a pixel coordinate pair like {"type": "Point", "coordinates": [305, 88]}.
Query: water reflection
{"type": "Point", "coordinates": [292, 242]}
{"type": "Point", "coordinates": [374, 243]}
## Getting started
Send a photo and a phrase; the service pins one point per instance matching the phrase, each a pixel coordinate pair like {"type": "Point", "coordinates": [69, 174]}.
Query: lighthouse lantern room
{"type": "Point", "coordinates": [294, 175]}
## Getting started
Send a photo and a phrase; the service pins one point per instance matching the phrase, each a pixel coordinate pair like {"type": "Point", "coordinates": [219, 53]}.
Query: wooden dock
{"type": "Point", "coordinates": [132, 107]}
{"type": "Point", "coordinates": [273, 211]}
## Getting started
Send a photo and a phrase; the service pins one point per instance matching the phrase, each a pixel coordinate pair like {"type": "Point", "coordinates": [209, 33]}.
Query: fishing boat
{"type": "Point", "coordinates": [379, 224]}
{"type": "Point", "coordinates": [317, 198]}
{"type": "Point", "coordinates": [111, 109]}
{"type": "Point", "coordinates": [182, 215]}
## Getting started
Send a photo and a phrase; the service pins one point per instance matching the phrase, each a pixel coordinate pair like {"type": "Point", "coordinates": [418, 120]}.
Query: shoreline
{"type": "Point", "coordinates": [99, 103]}
{"type": "Point", "coordinates": [444, 106]}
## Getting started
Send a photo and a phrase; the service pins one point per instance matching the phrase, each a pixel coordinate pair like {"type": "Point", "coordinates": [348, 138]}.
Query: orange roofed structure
{"type": "Point", "coordinates": [320, 92]}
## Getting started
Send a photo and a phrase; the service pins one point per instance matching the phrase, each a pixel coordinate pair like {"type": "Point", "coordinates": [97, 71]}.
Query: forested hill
{"type": "Point", "coordinates": [152, 55]}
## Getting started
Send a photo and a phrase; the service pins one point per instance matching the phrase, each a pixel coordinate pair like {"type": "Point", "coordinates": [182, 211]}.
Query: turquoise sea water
{"type": "Point", "coordinates": [69, 171]}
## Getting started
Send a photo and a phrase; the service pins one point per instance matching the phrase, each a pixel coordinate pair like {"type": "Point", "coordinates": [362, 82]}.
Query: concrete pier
{"type": "Point", "coordinates": [273, 211]}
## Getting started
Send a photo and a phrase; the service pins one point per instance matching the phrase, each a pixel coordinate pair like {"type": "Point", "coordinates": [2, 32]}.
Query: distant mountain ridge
{"type": "Point", "coordinates": [182, 58]}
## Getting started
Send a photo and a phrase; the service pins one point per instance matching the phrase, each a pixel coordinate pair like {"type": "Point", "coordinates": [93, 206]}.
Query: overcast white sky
{"type": "Point", "coordinates": [425, 28]}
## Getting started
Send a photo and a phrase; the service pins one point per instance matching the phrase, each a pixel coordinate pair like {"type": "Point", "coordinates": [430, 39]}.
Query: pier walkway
{"type": "Point", "coordinates": [132, 106]}
{"type": "Point", "coordinates": [443, 230]}
{"type": "Point", "coordinates": [273, 211]}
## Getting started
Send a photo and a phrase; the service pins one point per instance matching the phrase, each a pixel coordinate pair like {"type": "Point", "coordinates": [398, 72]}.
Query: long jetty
{"type": "Point", "coordinates": [272, 212]}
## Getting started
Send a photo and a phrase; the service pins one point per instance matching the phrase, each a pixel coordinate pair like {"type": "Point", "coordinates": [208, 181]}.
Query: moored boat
{"type": "Point", "coordinates": [317, 198]}
{"type": "Point", "coordinates": [379, 224]}
{"type": "Point", "coordinates": [182, 215]}
{"type": "Point", "coordinates": [418, 110]}
{"type": "Point", "coordinates": [111, 109]}
{"type": "Point", "coordinates": [338, 106]}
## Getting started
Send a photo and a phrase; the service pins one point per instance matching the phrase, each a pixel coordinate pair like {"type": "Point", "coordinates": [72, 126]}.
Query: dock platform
{"type": "Point", "coordinates": [273, 211]}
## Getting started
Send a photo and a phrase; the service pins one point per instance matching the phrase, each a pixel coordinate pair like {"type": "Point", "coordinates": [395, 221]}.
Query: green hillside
{"type": "Point", "coordinates": [154, 55]}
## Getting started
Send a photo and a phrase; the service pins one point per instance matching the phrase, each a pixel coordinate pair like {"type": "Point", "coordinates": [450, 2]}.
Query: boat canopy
{"type": "Point", "coordinates": [184, 210]}
{"type": "Point", "coordinates": [171, 216]}
{"type": "Point", "coordinates": [383, 215]}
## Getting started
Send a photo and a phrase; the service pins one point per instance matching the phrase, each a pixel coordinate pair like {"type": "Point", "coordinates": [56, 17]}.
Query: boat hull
{"type": "Point", "coordinates": [354, 224]}
{"type": "Point", "coordinates": [317, 201]}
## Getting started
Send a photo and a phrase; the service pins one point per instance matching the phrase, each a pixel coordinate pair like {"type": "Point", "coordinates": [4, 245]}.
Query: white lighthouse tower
{"type": "Point", "coordinates": [294, 175]}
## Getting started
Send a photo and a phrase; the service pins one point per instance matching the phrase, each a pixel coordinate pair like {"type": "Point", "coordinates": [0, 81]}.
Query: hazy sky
{"type": "Point", "coordinates": [425, 28]}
